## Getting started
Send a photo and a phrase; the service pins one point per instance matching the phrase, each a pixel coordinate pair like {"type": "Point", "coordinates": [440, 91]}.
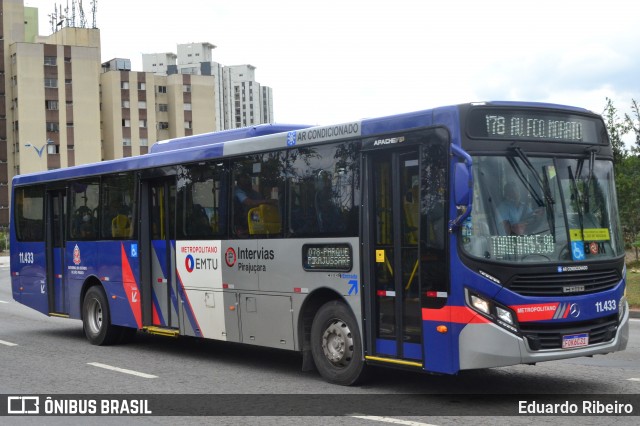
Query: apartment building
{"type": "Point", "coordinates": [246, 102]}
{"type": "Point", "coordinates": [61, 106]}
{"type": "Point", "coordinates": [240, 100]}
{"type": "Point", "coordinates": [141, 108]}
{"type": "Point", "coordinates": [49, 97]}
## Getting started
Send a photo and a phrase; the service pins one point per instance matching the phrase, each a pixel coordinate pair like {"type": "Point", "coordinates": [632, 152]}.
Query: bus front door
{"type": "Point", "coordinates": [396, 333]}
{"type": "Point", "coordinates": [56, 204]}
{"type": "Point", "coordinates": [160, 292]}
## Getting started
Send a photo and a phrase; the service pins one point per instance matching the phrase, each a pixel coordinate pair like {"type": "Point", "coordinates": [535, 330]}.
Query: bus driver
{"type": "Point", "coordinates": [514, 214]}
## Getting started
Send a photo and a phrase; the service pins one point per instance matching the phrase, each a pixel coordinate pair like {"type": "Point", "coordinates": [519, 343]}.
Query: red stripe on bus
{"type": "Point", "coordinates": [453, 314]}
{"type": "Point", "coordinates": [130, 287]}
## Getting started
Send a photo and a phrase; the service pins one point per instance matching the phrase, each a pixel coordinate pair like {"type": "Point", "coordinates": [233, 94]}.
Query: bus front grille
{"type": "Point", "coordinates": [542, 336]}
{"type": "Point", "coordinates": [564, 284]}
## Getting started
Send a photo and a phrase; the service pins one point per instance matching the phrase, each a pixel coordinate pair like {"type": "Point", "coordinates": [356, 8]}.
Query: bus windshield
{"type": "Point", "coordinates": [542, 209]}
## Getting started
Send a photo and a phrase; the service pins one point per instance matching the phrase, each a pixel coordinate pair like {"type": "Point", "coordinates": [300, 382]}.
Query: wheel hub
{"type": "Point", "coordinates": [337, 343]}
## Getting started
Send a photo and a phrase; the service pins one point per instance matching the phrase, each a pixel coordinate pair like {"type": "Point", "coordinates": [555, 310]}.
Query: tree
{"type": "Point", "coordinates": [617, 128]}
{"type": "Point", "coordinates": [628, 189]}
{"type": "Point", "coordinates": [632, 124]}
{"type": "Point", "coordinates": [627, 169]}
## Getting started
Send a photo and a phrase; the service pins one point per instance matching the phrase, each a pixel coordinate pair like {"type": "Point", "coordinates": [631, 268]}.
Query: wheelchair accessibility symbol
{"type": "Point", "coordinates": [577, 250]}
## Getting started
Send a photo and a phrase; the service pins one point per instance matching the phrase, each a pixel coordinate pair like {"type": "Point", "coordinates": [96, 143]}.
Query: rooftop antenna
{"type": "Point", "coordinates": [60, 22]}
{"type": "Point", "coordinates": [83, 20]}
{"type": "Point", "coordinates": [52, 21]}
{"type": "Point", "coordinates": [66, 14]}
{"type": "Point", "coordinates": [94, 10]}
{"type": "Point", "coordinates": [73, 13]}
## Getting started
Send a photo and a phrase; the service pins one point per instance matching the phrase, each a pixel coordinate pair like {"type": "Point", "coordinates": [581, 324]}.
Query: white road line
{"type": "Point", "coordinates": [123, 370]}
{"type": "Point", "coordinates": [2, 342]}
{"type": "Point", "coordinates": [2, 301]}
{"type": "Point", "coordinates": [392, 420]}
{"type": "Point", "coordinates": [633, 379]}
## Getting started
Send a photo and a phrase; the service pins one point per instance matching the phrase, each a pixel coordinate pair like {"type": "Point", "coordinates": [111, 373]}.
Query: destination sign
{"type": "Point", "coordinates": [327, 257]}
{"type": "Point", "coordinates": [534, 125]}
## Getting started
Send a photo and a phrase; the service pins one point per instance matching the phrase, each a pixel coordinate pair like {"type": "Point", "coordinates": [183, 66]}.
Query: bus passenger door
{"type": "Point", "coordinates": [159, 286]}
{"type": "Point", "coordinates": [394, 230]}
{"type": "Point", "coordinates": [56, 205]}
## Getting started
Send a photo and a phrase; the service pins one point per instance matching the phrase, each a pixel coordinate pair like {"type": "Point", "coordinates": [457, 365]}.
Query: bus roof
{"type": "Point", "coordinates": [223, 136]}
{"type": "Point", "coordinates": [268, 137]}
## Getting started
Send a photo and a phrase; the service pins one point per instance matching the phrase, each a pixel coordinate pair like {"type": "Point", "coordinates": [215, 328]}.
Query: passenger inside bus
{"type": "Point", "coordinates": [120, 224]}
{"type": "Point", "coordinates": [83, 223]}
{"type": "Point", "coordinates": [199, 223]}
{"type": "Point", "coordinates": [246, 198]}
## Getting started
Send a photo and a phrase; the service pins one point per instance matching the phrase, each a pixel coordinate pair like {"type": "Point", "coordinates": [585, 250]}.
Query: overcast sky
{"type": "Point", "coordinates": [339, 60]}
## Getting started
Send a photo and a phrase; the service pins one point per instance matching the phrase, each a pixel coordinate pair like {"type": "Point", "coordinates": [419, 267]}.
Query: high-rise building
{"type": "Point", "coordinates": [49, 97]}
{"type": "Point", "coordinates": [240, 100]}
{"type": "Point", "coordinates": [246, 102]}
{"type": "Point", "coordinates": [141, 108]}
{"type": "Point", "coordinates": [60, 106]}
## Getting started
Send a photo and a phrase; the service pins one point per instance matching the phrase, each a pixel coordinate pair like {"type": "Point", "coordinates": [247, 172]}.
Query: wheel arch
{"type": "Point", "coordinates": [91, 281]}
{"type": "Point", "coordinates": [312, 303]}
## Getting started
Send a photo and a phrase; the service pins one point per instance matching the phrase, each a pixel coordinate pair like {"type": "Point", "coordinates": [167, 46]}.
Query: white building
{"type": "Point", "coordinates": [240, 100]}
{"type": "Point", "coordinates": [247, 103]}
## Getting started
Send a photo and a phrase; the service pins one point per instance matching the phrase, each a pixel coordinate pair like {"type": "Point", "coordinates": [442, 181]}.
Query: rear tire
{"type": "Point", "coordinates": [96, 318]}
{"type": "Point", "coordinates": [336, 344]}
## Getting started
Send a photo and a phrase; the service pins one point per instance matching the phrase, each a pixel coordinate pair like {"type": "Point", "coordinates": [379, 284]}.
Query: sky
{"type": "Point", "coordinates": [334, 61]}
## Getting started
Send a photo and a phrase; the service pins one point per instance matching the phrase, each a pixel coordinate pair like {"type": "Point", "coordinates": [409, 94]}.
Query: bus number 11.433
{"type": "Point", "coordinates": [26, 257]}
{"type": "Point", "coordinates": [606, 306]}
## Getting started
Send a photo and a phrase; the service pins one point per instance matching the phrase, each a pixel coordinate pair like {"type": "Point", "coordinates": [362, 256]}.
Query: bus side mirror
{"type": "Point", "coordinates": [462, 191]}
{"type": "Point", "coordinates": [462, 186]}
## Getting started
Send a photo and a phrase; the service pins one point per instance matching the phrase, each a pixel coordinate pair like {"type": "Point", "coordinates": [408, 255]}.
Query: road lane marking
{"type": "Point", "coordinates": [392, 420]}
{"type": "Point", "coordinates": [2, 342]}
{"type": "Point", "coordinates": [633, 379]}
{"type": "Point", "coordinates": [2, 301]}
{"type": "Point", "coordinates": [123, 370]}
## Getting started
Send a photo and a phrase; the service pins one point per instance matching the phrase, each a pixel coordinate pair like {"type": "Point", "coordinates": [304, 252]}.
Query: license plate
{"type": "Point", "coordinates": [575, 340]}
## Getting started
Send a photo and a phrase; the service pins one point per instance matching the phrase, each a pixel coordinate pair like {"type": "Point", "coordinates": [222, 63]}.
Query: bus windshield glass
{"type": "Point", "coordinates": [542, 209]}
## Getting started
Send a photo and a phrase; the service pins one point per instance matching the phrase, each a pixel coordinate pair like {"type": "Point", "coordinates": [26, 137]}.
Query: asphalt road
{"type": "Point", "coordinates": [50, 356]}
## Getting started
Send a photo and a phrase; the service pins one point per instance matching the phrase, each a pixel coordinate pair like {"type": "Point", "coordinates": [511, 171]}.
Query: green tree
{"type": "Point", "coordinates": [632, 124]}
{"type": "Point", "coordinates": [617, 128]}
{"type": "Point", "coordinates": [628, 189]}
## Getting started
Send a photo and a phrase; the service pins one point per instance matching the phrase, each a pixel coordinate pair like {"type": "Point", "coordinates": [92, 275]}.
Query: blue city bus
{"type": "Point", "coordinates": [461, 237]}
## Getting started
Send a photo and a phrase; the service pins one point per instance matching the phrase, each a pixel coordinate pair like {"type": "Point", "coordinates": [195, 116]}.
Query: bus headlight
{"type": "Point", "coordinates": [497, 313]}
{"type": "Point", "coordinates": [480, 304]}
{"type": "Point", "coordinates": [504, 315]}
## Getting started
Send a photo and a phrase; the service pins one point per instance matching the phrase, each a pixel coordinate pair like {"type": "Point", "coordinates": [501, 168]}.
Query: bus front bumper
{"type": "Point", "coordinates": [489, 345]}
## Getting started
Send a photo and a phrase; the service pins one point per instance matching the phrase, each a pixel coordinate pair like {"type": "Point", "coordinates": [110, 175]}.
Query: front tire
{"type": "Point", "coordinates": [336, 344]}
{"type": "Point", "coordinates": [96, 319]}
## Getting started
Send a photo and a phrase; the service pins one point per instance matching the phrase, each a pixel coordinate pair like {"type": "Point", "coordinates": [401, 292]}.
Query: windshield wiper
{"type": "Point", "coordinates": [546, 191]}
{"type": "Point", "coordinates": [543, 182]}
{"type": "Point", "coordinates": [592, 160]}
{"type": "Point", "coordinates": [534, 194]}
{"type": "Point", "coordinates": [578, 198]}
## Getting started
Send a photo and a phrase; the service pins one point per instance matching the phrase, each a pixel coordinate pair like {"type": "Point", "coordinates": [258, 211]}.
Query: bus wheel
{"type": "Point", "coordinates": [336, 345]}
{"type": "Point", "coordinates": [96, 320]}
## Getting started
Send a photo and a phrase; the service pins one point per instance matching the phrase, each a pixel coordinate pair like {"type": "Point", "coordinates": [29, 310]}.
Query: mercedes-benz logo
{"type": "Point", "coordinates": [574, 310]}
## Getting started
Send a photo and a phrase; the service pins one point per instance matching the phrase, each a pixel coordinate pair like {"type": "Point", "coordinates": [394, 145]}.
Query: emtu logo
{"type": "Point", "coordinates": [189, 263]}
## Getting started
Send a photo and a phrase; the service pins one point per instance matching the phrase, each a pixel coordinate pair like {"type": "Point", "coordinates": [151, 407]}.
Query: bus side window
{"type": "Point", "coordinates": [29, 213]}
{"type": "Point", "coordinates": [258, 194]}
{"type": "Point", "coordinates": [118, 207]}
{"type": "Point", "coordinates": [202, 199]}
{"type": "Point", "coordinates": [84, 197]}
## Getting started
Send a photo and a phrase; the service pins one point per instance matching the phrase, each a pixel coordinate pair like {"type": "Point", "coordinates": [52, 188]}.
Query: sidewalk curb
{"type": "Point", "coordinates": [634, 313]}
